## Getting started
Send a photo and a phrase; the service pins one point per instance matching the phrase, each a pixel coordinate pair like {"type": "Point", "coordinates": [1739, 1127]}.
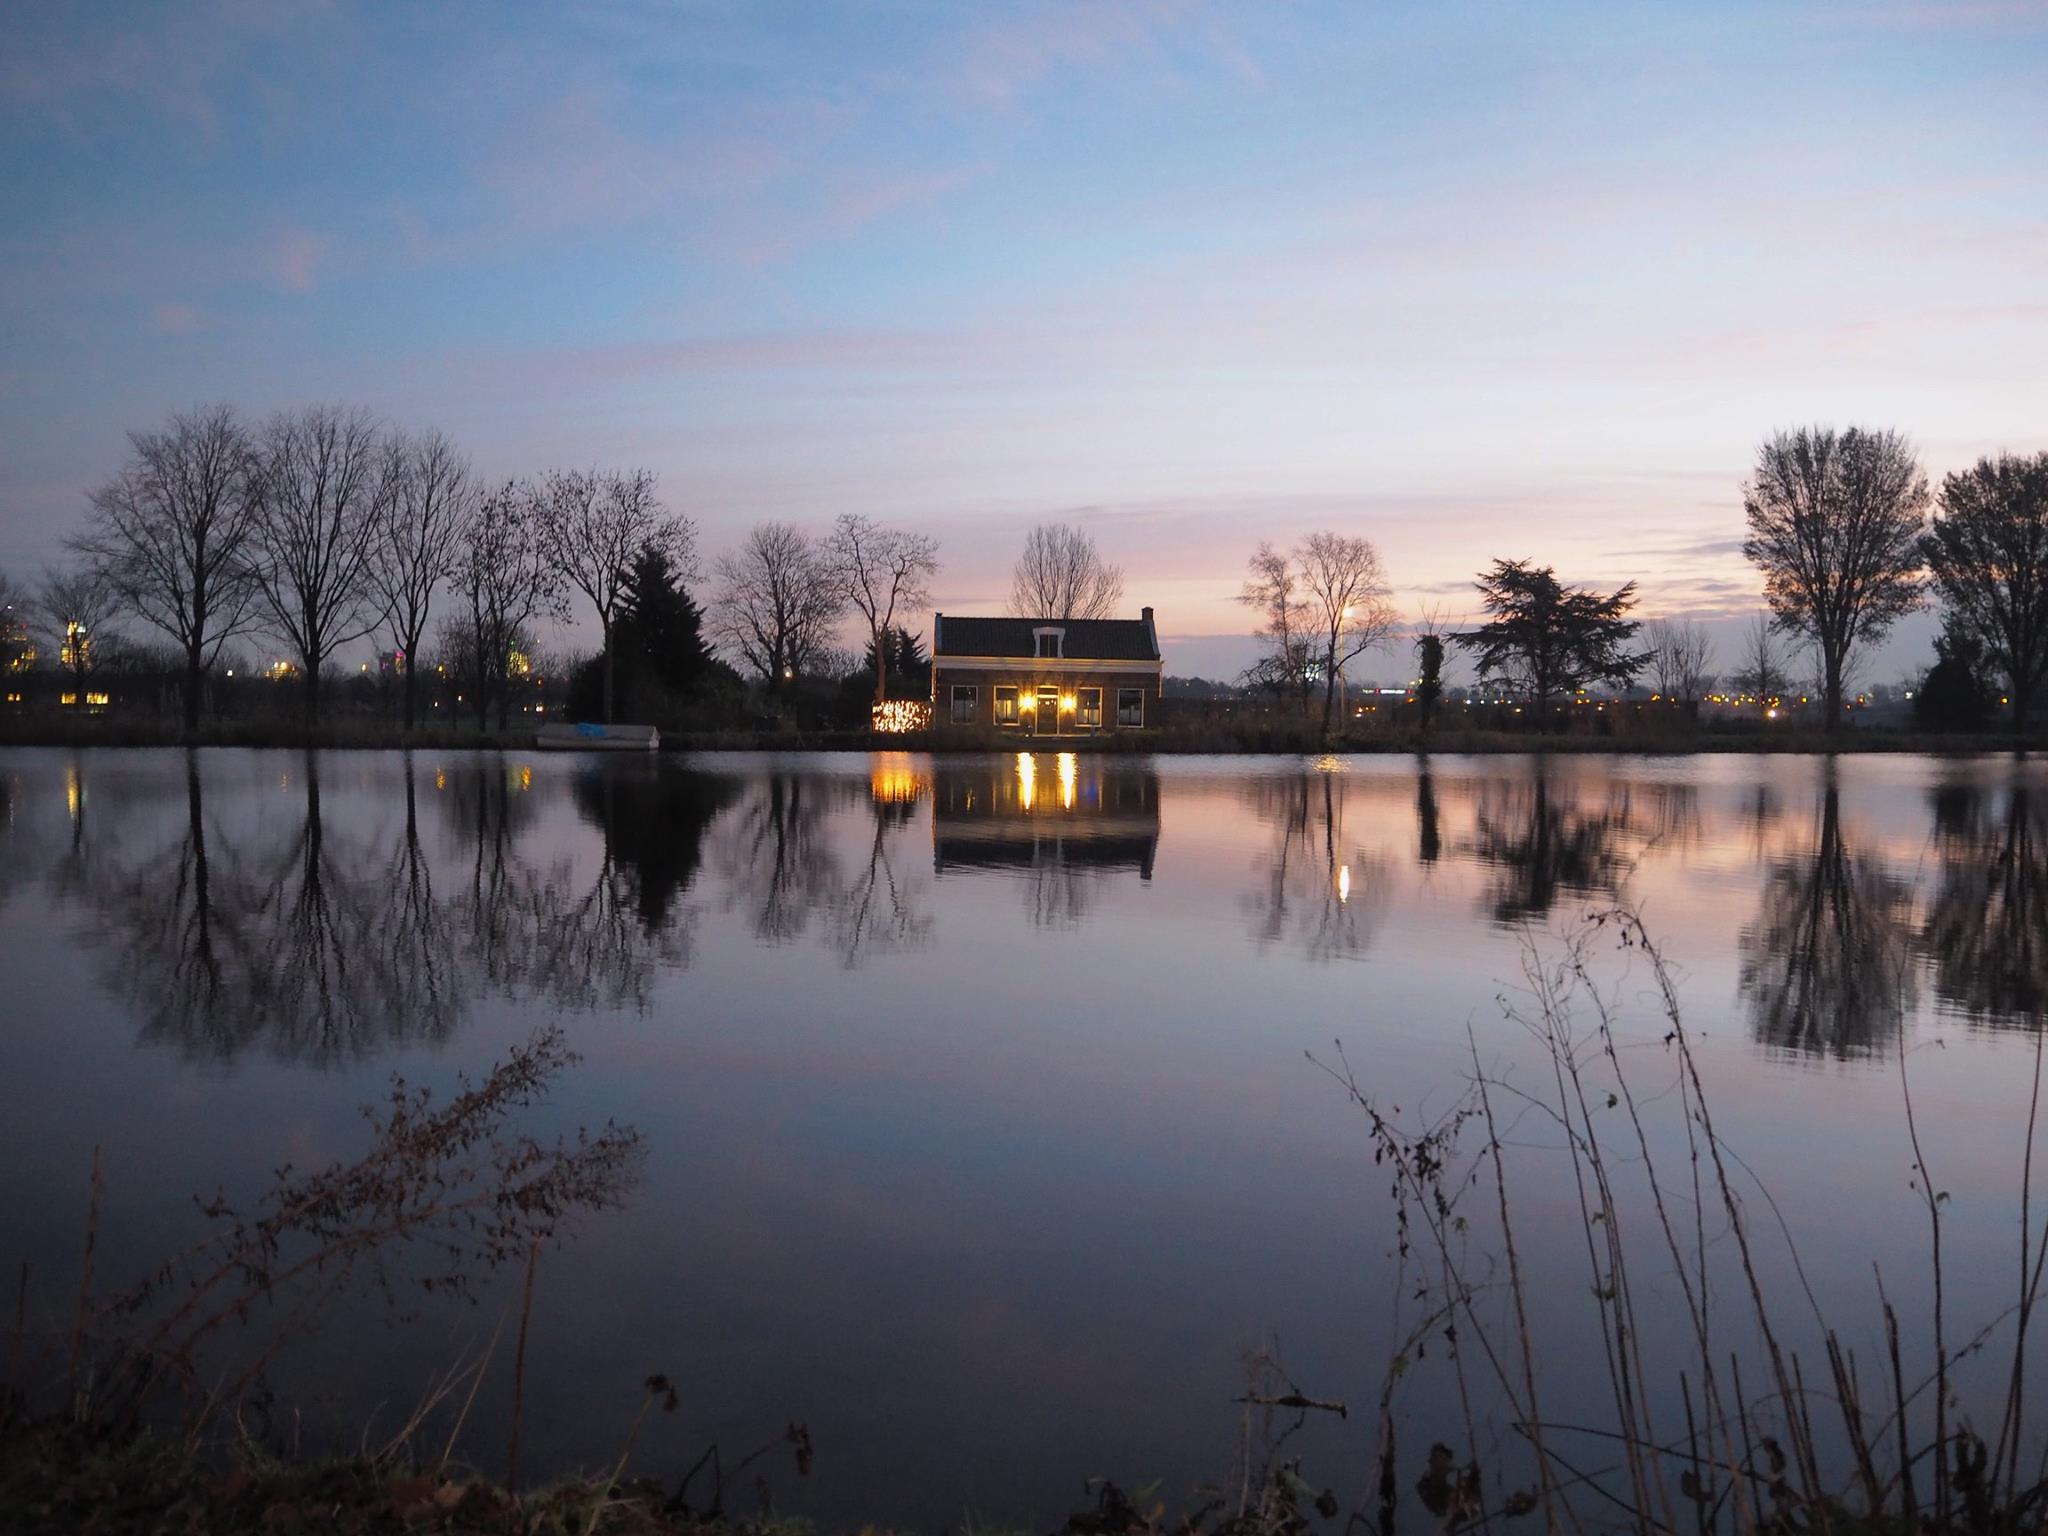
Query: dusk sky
{"type": "Point", "coordinates": [1469, 280]}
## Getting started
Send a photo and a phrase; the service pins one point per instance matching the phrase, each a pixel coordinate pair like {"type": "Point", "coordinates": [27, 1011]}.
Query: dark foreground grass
{"type": "Point", "coordinates": [66, 1477]}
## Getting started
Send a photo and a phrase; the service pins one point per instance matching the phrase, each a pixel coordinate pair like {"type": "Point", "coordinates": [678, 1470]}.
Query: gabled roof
{"type": "Point", "coordinates": [1086, 639]}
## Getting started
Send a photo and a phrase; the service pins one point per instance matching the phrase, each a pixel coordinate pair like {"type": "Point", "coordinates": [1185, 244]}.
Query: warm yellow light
{"type": "Point", "coordinates": [1343, 882]}
{"type": "Point", "coordinates": [74, 792]}
{"type": "Point", "coordinates": [1066, 701]}
{"type": "Point", "coordinates": [894, 779]}
{"type": "Point", "coordinates": [1070, 773]}
{"type": "Point", "coordinates": [1027, 778]}
{"type": "Point", "coordinates": [1030, 702]}
{"type": "Point", "coordinates": [1771, 714]}
{"type": "Point", "coordinates": [896, 717]}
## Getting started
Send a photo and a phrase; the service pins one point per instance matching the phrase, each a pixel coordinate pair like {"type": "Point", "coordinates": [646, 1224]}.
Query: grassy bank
{"type": "Point", "coordinates": [1226, 739]}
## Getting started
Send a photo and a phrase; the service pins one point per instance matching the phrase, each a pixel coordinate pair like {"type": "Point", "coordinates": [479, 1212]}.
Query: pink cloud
{"type": "Point", "coordinates": [296, 258]}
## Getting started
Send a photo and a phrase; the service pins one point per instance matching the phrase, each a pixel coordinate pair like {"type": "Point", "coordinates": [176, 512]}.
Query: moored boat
{"type": "Point", "coordinates": [588, 736]}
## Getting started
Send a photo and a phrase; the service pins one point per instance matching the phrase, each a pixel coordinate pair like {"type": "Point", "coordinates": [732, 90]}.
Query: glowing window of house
{"type": "Point", "coordinates": [1089, 710]}
{"type": "Point", "coordinates": [1130, 706]}
{"type": "Point", "coordinates": [1006, 704]}
{"type": "Point", "coordinates": [1049, 642]}
{"type": "Point", "coordinates": [966, 700]}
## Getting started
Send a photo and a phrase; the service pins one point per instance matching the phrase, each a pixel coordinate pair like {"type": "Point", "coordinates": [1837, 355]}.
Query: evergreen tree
{"type": "Point", "coordinates": [1956, 694]}
{"type": "Point", "coordinates": [908, 668]}
{"type": "Point", "coordinates": [659, 658]}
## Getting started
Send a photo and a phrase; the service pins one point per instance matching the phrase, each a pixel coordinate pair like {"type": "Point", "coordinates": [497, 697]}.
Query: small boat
{"type": "Point", "coordinates": [588, 736]}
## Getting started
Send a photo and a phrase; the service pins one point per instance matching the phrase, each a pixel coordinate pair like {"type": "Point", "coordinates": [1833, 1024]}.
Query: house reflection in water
{"type": "Point", "coordinates": [1053, 815]}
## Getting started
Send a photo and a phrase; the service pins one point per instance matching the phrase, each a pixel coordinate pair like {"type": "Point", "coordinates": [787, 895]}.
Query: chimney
{"type": "Point", "coordinates": [1145, 614]}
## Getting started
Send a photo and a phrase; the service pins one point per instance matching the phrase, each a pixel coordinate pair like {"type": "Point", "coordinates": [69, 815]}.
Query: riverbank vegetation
{"type": "Point", "coordinates": [219, 574]}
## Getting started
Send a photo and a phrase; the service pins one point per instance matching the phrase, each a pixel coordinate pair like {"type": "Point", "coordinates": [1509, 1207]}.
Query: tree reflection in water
{"type": "Point", "coordinates": [783, 868]}
{"type": "Point", "coordinates": [1826, 966]}
{"type": "Point", "coordinates": [1545, 843]}
{"type": "Point", "coordinates": [321, 946]}
{"type": "Point", "coordinates": [574, 940]}
{"type": "Point", "coordinates": [653, 817]}
{"type": "Point", "coordinates": [1314, 891]}
{"type": "Point", "coordinates": [302, 946]}
{"type": "Point", "coordinates": [1986, 931]}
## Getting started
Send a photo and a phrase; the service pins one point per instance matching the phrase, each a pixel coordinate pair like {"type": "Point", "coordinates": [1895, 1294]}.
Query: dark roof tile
{"type": "Point", "coordinates": [1086, 639]}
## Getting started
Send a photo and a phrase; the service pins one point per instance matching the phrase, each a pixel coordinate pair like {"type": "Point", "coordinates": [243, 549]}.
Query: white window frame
{"type": "Point", "coordinates": [1082, 711]}
{"type": "Point", "coordinates": [1057, 649]}
{"type": "Point", "coordinates": [1137, 698]}
{"type": "Point", "coordinates": [970, 695]}
{"type": "Point", "coordinates": [1016, 714]}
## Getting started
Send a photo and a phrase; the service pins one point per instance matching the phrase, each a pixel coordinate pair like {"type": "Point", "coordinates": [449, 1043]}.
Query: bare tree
{"type": "Point", "coordinates": [776, 600]}
{"type": "Point", "coordinates": [1681, 659]}
{"type": "Point", "coordinates": [1988, 552]}
{"type": "Point", "coordinates": [1348, 604]}
{"type": "Point", "coordinates": [594, 524]}
{"type": "Point", "coordinates": [1834, 524]}
{"type": "Point", "coordinates": [506, 578]}
{"type": "Point", "coordinates": [171, 532]}
{"type": "Point", "coordinates": [433, 498]}
{"type": "Point", "coordinates": [78, 607]}
{"type": "Point", "coordinates": [880, 570]}
{"type": "Point", "coordinates": [1272, 590]}
{"type": "Point", "coordinates": [321, 491]}
{"type": "Point", "coordinates": [1762, 673]}
{"type": "Point", "coordinates": [1060, 576]}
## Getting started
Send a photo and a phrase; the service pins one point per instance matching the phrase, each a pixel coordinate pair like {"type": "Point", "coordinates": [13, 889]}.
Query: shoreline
{"type": "Point", "coordinates": [1190, 743]}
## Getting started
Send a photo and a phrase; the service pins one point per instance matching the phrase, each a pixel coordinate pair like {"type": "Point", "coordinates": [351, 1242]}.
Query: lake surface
{"type": "Point", "coordinates": [982, 1135]}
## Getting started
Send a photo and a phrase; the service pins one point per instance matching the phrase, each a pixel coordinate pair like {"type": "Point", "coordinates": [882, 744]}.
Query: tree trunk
{"type": "Point", "coordinates": [312, 691]}
{"type": "Point", "coordinates": [193, 675]}
{"type": "Point", "coordinates": [1832, 693]}
{"type": "Point", "coordinates": [1329, 688]}
{"type": "Point", "coordinates": [607, 671]}
{"type": "Point", "coordinates": [881, 670]}
{"type": "Point", "coordinates": [410, 683]}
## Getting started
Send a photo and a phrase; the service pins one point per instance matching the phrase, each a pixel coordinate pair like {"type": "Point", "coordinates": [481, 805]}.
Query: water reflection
{"type": "Point", "coordinates": [1826, 964]}
{"type": "Point", "coordinates": [1062, 824]}
{"type": "Point", "coordinates": [1547, 839]}
{"type": "Point", "coordinates": [306, 944]}
{"type": "Point", "coordinates": [1986, 930]}
{"type": "Point", "coordinates": [1318, 890]}
{"type": "Point", "coordinates": [789, 872]}
{"type": "Point", "coordinates": [653, 818]}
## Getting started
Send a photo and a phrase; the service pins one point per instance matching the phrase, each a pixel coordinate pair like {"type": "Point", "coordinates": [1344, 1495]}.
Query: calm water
{"type": "Point", "coordinates": [981, 1132]}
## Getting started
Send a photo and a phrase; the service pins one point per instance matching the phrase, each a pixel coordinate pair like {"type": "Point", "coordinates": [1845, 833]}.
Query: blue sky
{"type": "Point", "coordinates": [1472, 280]}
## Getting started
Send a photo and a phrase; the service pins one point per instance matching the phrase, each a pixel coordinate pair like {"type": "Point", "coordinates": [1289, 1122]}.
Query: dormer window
{"type": "Point", "coordinates": [1049, 641]}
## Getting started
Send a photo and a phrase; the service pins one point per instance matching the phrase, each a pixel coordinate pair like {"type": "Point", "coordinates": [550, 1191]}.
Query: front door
{"type": "Point", "coordinates": [1048, 723]}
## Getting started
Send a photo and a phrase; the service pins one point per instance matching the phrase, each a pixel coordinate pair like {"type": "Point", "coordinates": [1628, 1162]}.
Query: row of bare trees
{"type": "Point", "coordinates": [322, 527]}
{"type": "Point", "coordinates": [778, 599]}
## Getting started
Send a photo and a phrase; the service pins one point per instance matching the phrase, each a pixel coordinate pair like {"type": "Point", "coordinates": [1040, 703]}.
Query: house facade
{"type": "Point", "coordinates": [1046, 677]}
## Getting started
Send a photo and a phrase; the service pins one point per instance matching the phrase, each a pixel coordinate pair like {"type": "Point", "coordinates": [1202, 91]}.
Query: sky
{"type": "Point", "coordinates": [1468, 280]}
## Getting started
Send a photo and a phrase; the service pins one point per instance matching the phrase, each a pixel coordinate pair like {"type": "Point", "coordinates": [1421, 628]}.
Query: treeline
{"type": "Point", "coordinates": [1838, 525]}
{"type": "Point", "coordinates": [322, 528]}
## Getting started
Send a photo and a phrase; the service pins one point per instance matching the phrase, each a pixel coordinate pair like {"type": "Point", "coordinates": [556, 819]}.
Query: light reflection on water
{"type": "Point", "coordinates": [981, 1133]}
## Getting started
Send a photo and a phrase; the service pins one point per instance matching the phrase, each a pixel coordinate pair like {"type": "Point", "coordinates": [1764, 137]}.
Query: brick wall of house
{"type": "Point", "coordinates": [986, 683]}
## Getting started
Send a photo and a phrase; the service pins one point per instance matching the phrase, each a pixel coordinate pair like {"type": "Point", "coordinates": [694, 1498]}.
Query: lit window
{"type": "Point", "coordinates": [1006, 704]}
{"type": "Point", "coordinates": [1130, 706]}
{"type": "Point", "coordinates": [1088, 714]}
{"type": "Point", "coordinates": [966, 703]}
